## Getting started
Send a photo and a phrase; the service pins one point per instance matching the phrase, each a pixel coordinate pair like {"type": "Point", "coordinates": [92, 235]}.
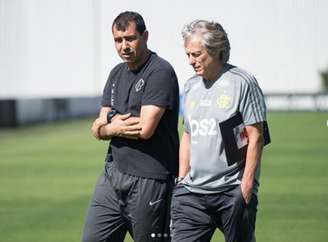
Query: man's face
{"type": "Point", "coordinates": [198, 57]}
{"type": "Point", "coordinates": [131, 46]}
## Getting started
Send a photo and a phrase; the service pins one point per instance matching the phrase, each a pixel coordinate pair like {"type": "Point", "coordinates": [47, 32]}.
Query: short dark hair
{"type": "Point", "coordinates": [122, 21]}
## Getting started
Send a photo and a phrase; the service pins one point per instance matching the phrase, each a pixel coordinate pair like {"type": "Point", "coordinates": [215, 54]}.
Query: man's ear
{"type": "Point", "coordinates": [145, 35]}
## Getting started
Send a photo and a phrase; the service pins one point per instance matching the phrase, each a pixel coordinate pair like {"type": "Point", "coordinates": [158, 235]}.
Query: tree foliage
{"type": "Point", "coordinates": [324, 79]}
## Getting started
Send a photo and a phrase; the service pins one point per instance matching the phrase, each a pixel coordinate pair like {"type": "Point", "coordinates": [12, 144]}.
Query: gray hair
{"type": "Point", "coordinates": [214, 38]}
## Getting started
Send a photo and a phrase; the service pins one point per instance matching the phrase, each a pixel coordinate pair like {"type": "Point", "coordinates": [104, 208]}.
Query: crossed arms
{"type": "Point", "coordinates": [127, 126]}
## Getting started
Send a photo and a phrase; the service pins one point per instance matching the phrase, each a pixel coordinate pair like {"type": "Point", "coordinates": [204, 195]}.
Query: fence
{"type": "Point", "coordinates": [297, 101]}
{"type": "Point", "coordinates": [23, 111]}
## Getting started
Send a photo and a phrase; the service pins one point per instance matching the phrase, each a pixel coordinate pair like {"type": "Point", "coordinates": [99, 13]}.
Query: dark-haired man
{"type": "Point", "coordinates": [139, 114]}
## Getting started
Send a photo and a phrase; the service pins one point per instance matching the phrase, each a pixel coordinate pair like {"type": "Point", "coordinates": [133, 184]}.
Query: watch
{"type": "Point", "coordinates": [110, 115]}
{"type": "Point", "coordinates": [178, 179]}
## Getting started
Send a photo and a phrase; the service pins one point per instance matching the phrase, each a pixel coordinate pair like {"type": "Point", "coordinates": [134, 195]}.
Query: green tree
{"type": "Point", "coordinates": [324, 79]}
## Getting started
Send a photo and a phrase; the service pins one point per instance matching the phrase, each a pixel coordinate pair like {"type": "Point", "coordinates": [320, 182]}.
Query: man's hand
{"type": "Point", "coordinates": [246, 190]}
{"type": "Point", "coordinates": [123, 125]}
{"type": "Point", "coordinates": [97, 124]}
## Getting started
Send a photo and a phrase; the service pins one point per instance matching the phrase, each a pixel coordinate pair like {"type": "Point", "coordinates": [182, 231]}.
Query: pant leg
{"type": "Point", "coordinates": [234, 217]}
{"type": "Point", "coordinates": [104, 222]}
{"type": "Point", "coordinates": [148, 205]}
{"type": "Point", "coordinates": [251, 215]}
{"type": "Point", "coordinates": [190, 219]}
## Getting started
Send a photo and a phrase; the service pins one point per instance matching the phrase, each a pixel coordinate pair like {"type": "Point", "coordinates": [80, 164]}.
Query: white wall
{"type": "Point", "coordinates": [47, 48]}
{"type": "Point", "coordinates": [64, 47]}
{"type": "Point", "coordinates": [282, 42]}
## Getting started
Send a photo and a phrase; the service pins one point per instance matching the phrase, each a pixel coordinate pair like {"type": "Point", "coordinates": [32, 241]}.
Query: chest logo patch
{"type": "Point", "coordinates": [224, 101]}
{"type": "Point", "coordinates": [139, 85]}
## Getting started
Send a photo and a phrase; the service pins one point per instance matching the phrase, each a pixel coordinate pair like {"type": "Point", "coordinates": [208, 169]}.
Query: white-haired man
{"type": "Point", "coordinates": [215, 191]}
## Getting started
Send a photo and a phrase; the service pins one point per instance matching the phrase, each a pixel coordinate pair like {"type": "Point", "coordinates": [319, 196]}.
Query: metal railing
{"type": "Point", "coordinates": [21, 111]}
{"type": "Point", "coordinates": [297, 101]}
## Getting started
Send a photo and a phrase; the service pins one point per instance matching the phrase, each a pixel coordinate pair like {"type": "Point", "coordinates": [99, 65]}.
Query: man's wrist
{"type": "Point", "coordinates": [110, 115]}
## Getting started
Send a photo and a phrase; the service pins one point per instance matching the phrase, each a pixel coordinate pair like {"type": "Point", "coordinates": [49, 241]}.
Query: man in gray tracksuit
{"type": "Point", "coordinates": [214, 192]}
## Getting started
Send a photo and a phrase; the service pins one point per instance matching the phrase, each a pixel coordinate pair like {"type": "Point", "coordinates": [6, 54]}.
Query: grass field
{"type": "Point", "coordinates": [47, 174]}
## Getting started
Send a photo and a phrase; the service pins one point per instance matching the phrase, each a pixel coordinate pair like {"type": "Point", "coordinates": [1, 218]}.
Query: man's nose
{"type": "Point", "coordinates": [191, 60]}
{"type": "Point", "coordinates": [125, 45]}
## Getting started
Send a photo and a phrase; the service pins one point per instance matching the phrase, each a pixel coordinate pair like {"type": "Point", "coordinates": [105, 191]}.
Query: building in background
{"type": "Point", "coordinates": [55, 55]}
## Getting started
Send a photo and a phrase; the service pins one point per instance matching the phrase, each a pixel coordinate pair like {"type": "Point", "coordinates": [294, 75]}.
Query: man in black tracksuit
{"type": "Point", "coordinates": [139, 114]}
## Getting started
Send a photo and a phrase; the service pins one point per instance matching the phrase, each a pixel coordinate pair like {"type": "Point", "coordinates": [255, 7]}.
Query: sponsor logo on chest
{"type": "Point", "coordinates": [205, 103]}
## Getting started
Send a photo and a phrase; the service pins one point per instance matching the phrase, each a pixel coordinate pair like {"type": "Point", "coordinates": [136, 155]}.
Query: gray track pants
{"type": "Point", "coordinates": [122, 203]}
{"type": "Point", "coordinates": [196, 216]}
